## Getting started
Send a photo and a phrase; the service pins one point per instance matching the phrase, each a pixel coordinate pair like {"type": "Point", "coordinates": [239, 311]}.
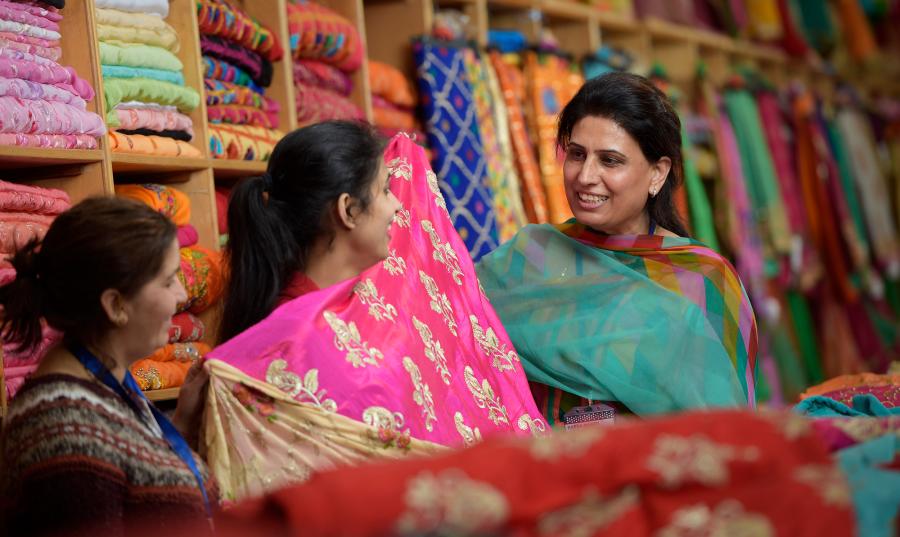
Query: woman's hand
{"type": "Point", "coordinates": [191, 400]}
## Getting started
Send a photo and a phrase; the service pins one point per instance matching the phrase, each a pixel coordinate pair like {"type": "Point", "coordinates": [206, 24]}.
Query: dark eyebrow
{"type": "Point", "coordinates": [598, 151]}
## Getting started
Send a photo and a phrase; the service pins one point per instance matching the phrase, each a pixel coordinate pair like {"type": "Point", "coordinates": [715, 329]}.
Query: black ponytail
{"type": "Point", "coordinates": [23, 300]}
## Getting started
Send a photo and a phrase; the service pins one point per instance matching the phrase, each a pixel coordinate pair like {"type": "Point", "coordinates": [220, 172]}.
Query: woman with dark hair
{"type": "Point", "coordinates": [83, 451]}
{"type": "Point", "coordinates": [618, 305]}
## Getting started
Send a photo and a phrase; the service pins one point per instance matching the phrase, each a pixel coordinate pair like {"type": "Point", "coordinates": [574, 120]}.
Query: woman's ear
{"type": "Point", "coordinates": [659, 171]}
{"type": "Point", "coordinates": [113, 304]}
{"type": "Point", "coordinates": [345, 207]}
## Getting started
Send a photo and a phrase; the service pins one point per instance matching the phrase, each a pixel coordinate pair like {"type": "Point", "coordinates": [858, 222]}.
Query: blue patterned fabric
{"type": "Point", "coordinates": [451, 123]}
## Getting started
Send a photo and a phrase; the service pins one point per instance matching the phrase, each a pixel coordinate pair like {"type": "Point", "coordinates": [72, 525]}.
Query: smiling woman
{"type": "Point", "coordinates": [618, 304]}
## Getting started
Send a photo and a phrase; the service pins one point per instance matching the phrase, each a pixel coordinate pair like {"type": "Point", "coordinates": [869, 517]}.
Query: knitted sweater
{"type": "Point", "coordinates": [75, 459]}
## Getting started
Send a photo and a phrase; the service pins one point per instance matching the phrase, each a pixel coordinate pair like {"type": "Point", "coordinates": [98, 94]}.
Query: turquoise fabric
{"type": "Point", "coordinates": [866, 405]}
{"type": "Point", "coordinates": [875, 490]}
{"type": "Point", "coordinates": [121, 71]}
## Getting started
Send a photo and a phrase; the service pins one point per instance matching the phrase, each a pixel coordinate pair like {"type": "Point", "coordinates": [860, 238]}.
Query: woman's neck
{"type": "Point", "coordinates": [637, 226]}
{"type": "Point", "coordinates": [112, 355]}
{"type": "Point", "coordinates": [329, 264]}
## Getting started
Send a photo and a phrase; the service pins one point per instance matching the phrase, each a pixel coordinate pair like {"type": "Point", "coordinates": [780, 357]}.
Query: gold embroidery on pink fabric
{"type": "Point", "coordinates": [433, 350]}
{"type": "Point", "coordinates": [305, 391]}
{"type": "Point", "coordinates": [435, 188]}
{"type": "Point", "coordinates": [402, 217]}
{"type": "Point", "coordinates": [443, 253]}
{"type": "Point", "coordinates": [400, 168]}
{"type": "Point", "coordinates": [378, 307]}
{"type": "Point", "coordinates": [469, 435]}
{"type": "Point", "coordinates": [439, 302]}
{"type": "Point", "coordinates": [485, 397]}
{"type": "Point", "coordinates": [422, 394]}
{"type": "Point", "coordinates": [828, 481]}
{"type": "Point", "coordinates": [728, 519]}
{"type": "Point", "coordinates": [863, 429]}
{"type": "Point", "coordinates": [394, 264]}
{"type": "Point", "coordinates": [387, 427]}
{"type": "Point", "coordinates": [346, 337]}
{"type": "Point", "coordinates": [681, 459]}
{"type": "Point", "coordinates": [533, 425]}
{"type": "Point", "coordinates": [574, 443]}
{"type": "Point", "coordinates": [590, 515]}
{"type": "Point", "coordinates": [451, 503]}
{"type": "Point", "coordinates": [503, 358]}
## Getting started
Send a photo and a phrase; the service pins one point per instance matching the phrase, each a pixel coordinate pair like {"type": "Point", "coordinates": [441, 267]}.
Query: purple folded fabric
{"type": "Point", "coordinates": [259, 69]}
{"type": "Point", "coordinates": [18, 64]}
{"type": "Point", "coordinates": [26, 89]}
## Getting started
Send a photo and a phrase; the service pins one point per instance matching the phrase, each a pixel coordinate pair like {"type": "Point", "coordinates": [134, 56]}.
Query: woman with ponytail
{"type": "Point", "coordinates": [82, 450]}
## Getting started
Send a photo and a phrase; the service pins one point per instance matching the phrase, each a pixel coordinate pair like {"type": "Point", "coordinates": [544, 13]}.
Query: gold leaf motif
{"type": "Point", "coordinates": [485, 398]}
{"type": "Point", "coordinates": [439, 302]}
{"type": "Point", "coordinates": [792, 426]}
{"type": "Point", "coordinates": [402, 217]}
{"type": "Point", "coordinates": [535, 426]}
{"type": "Point", "coordinates": [346, 337]}
{"type": "Point", "coordinates": [433, 350]}
{"type": "Point", "coordinates": [443, 253]}
{"type": "Point", "coordinates": [435, 189]}
{"type": "Point", "coordinates": [305, 391]}
{"type": "Point", "coordinates": [422, 394]}
{"type": "Point", "coordinates": [451, 503]}
{"type": "Point", "coordinates": [828, 481]}
{"type": "Point", "coordinates": [863, 429]}
{"type": "Point", "coordinates": [469, 435]}
{"type": "Point", "coordinates": [387, 427]}
{"type": "Point", "coordinates": [590, 515]}
{"type": "Point", "coordinates": [394, 264]}
{"type": "Point", "coordinates": [378, 307]}
{"type": "Point", "coordinates": [680, 459]}
{"type": "Point", "coordinates": [400, 167]}
{"type": "Point", "coordinates": [502, 358]}
{"type": "Point", "coordinates": [574, 443]}
{"type": "Point", "coordinates": [727, 520]}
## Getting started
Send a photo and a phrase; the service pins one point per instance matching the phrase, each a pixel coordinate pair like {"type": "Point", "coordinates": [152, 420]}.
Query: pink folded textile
{"type": "Point", "coordinates": [47, 117]}
{"type": "Point", "coordinates": [15, 378]}
{"type": "Point", "coordinates": [316, 104]}
{"type": "Point", "coordinates": [322, 75]}
{"type": "Point", "coordinates": [50, 141]}
{"type": "Point", "coordinates": [39, 10]}
{"type": "Point", "coordinates": [22, 44]}
{"type": "Point", "coordinates": [26, 89]}
{"type": "Point", "coordinates": [9, 12]}
{"type": "Point", "coordinates": [187, 236]}
{"type": "Point", "coordinates": [13, 358]}
{"type": "Point", "coordinates": [28, 29]}
{"type": "Point", "coordinates": [157, 120]}
{"type": "Point", "coordinates": [31, 199]}
{"type": "Point", "coordinates": [18, 64]}
{"type": "Point", "coordinates": [17, 229]}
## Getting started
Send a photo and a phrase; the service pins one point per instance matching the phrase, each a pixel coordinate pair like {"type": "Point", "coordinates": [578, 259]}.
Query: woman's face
{"type": "Point", "coordinates": [372, 233]}
{"type": "Point", "coordinates": [608, 179]}
{"type": "Point", "coordinates": [150, 310]}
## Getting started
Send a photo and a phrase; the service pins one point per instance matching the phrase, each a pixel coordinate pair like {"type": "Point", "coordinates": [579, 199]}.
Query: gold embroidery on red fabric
{"type": "Point", "coordinates": [590, 515]}
{"type": "Point", "coordinates": [574, 443]}
{"type": "Point", "coordinates": [862, 429]}
{"type": "Point", "coordinates": [422, 394]}
{"type": "Point", "coordinates": [439, 302]}
{"type": "Point", "coordinates": [682, 459]}
{"type": "Point", "coordinates": [485, 397]}
{"type": "Point", "coordinates": [451, 503]}
{"type": "Point", "coordinates": [726, 520]}
{"type": "Point", "coordinates": [828, 481]}
{"type": "Point", "coordinates": [305, 390]}
{"type": "Point", "coordinates": [346, 337]}
{"type": "Point", "coordinates": [469, 435]}
{"type": "Point", "coordinates": [443, 253]}
{"type": "Point", "coordinates": [503, 359]}
{"type": "Point", "coordinates": [378, 307]}
{"type": "Point", "coordinates": [433, 350]}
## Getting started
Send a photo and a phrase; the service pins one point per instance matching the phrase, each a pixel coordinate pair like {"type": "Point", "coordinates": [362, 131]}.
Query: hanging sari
{"type": "Point", "coordinates": [658, 324]}
{"type": "Point", "coordinates": [409, 351]}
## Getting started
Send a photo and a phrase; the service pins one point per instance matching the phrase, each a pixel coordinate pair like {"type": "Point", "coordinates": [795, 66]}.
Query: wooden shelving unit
{"type": "Point", "coordinates": [387, 28]}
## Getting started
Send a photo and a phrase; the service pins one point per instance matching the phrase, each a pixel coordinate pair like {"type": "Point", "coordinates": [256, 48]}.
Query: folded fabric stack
{"type": "Point", "coordinates": [327, 49]}
{"type": "Point", "coordinates": [25, 213]}
{"type": "Point", "coordinates": [238, 53]}
{"type": "Point", "coordinates": [147, 101]}
{"type": "Point", "coordinates": [201, 276]}
{"type": "Point", "coordinates": [393, 101]}
{"type": "Point", "coordinates": [222, 196]}
{"type": "Point", "coordinates": [42, 104]}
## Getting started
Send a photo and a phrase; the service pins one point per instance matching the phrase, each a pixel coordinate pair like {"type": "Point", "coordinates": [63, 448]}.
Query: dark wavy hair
{"type": "Point", "coordinates": [274, 220]}
{"type": "Point", "coordinates": [639, 107]}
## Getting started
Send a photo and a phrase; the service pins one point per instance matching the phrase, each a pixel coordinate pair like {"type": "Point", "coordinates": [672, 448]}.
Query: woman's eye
{"type": "Point", "coordinates": [576, 155]}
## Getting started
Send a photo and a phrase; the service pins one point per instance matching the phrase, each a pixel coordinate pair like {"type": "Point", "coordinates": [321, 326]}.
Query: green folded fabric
{"type": "Point", "coordinates": [136, 55]}
{"type": "Point", "coordinates": [701, 211]}
{"type": "Point", "coordinates": [120, 90]}
{"type": "Point", "coordinates": [122, 71]}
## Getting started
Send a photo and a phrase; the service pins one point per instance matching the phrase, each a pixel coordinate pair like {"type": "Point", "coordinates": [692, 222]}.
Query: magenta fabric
{"type": "Point", "coordinates": [187, 236]}
{"type": "Point", "coordinates": [18, 64]}
{"type": "Point", "coordinates": [50, 141]}
{"type": "Point", "coordinates": [26, 89]}
{"type": "Point", "coordinates": [317, 104]}
{"type": "Point", "coordinates": [773, 125]}
{"type": "Point", "coordinates": [47, 117]}
{"type": "Point", "coordinates": [888, 395]}
{"type": "Point", "coordinates": [15, 197]}
{"type": "Point", "coordinates": [322, 75]}
{"type": "Point", "coordinates": [157, 120]}
{"type": "Point", "coordinates": [413, 337]}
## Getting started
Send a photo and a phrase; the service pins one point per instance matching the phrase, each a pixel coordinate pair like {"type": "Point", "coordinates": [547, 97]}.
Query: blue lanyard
{"type": "Point", "coordinates": [652, 227]}
{"type": "Point", "coordinates": [131, 393]}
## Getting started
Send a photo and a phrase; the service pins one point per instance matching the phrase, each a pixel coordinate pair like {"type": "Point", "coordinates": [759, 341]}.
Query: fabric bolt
{"type": "Point", "coordinates": [122, 71]}
{"type": "Point", "coordinates": [186, 328]}
{"type": "Point", "coordinates": [11, 12]}
{"type": "Point", "coordinates": [252, 63]}
{"type": "Point", "coordinates": [47, 117]}
{"type": "Point", "coordinates": [187, 236]}
{"type": "Point", "coordinates": [815, 18]}
{"type": "Point", "coordinates": [451, 122]}
{"type": "Point", "coordinates": [202, 277]}
{"type": "Point", "coordinates": [318, 32]}
{"type": "Point", "coordinates": [322, 75]}
{"type": "Point", "coordinates": [242, 115]}
{"type": "Point", "coordinates": [501, 173]}
{"type": "Point", "coordinates": [28, 30]}
{"type": "Point", "coordinates": [534, 199]}
{"type": "Point", "coordinates": [765, 20]}
{"type": "Point", "coordinates": [326, 349]}
{"type": "Point", "coordinates": [168, 201]}
{"type": "Point", "coordinates": [15, 197]}
{"type": "Point", "coordinates": [889, 395]}
{"type": "Point", "coordinates": [37, 10]}
{"type": "Point", "coordinates": [552, 84]}
{"type": "Point", "coordinates": [846, 171]}
{"type": "Point", "coordinates": [677, 314]}
{"type": "Point", "coordinates": [865, 405]}
{"type": "Point", "coordinates": [793, 40]}
{"type": "Point", "coordinates": [25, 89]}
{"type": "Point", "coordinates": [225, 19]}
{"type": "Point", "coordinates": [53, 141]}
{"type": "Point", "coordinates": [390, 117]}
{"type": "Point", "coordinates": [14, 378]}
{"type": "Point", "coordinates": [152, 374]}
{"type": "Point", "coordinates": [220, 93]}
{"type": "Point", "coordinates": [222, 195]}
{"type": "Point", "coordinates": [14, 358]}
{"type": "Point", "coordinates": [700, 209]}
{"type": "Point", "coordinates": [857, 380]}
{"type": "Point", "coordinates": [119, 27]}
{"type": "Point", "coordinates": [856, 29]}
{"type": "Point", "coordinates": [224, 71]}
{"type": "Point", "coordinates": [805, 332]}
{"type": "Point", "coordinates": [316, 104]}
{"type": "Point", "coordinates": [387, 81]}
{"type": "Point", "coordinates": [138, 55]}
{"type": "Point", "coordinates": [839, 433]}
{"type": "Point", "coordinates": [175, 135]}
{"type": "Point", "coordinates": [118, 90]}
{"type": "Point", "coordinates": [18, 64]}
{"type": "Point", "coordinates": [25, 44]}
{"type": "Point", "coordinates": [18, 229]}
{"type": "Point", "coordinates": [180, 352]}
{"type": "Point", "coordinates": [158, 120]}
{"type": "Point", "coordinates": [242, 142]}
{"type": "Point", "coordinates": [158, 7]}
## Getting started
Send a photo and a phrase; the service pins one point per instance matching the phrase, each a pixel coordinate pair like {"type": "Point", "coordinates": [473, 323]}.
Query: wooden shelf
{"type": "Point", "coordinates": [563, 9]}
{"type": "Point", "coordinates": [132, 163]}
{"type": "Point", "coordinates": [13, 157]}
{"type": "Point", "coordinates": [615, 22]}
{"type": "Point", "coordinates": [167, 394]}
{"type": "Point", "coordinates": [229, 169]}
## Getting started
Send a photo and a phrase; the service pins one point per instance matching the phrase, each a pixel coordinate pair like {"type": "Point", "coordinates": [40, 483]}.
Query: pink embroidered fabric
{"type": "Point", "coordinates": [52, 141]}
{"type": "Point", "coordinates": [412, 345]}
{"type": "Point", "coordinates": [157, 120]}
{"type": "Point", "coordinates": [47, 117]}
{"type": "Point", "coordinates": [32, 199]}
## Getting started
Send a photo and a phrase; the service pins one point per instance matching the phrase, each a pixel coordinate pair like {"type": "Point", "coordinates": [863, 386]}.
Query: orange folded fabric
{"type": "Point", "coordinates": [393, 118]}
{"type": "Point", "coordinates": [201, 275]}
{"type": "Point", "coordinates": [151, 145]}
{"type": "Point", "coordinates": [167, 367]}
{"type": "Point", "coordinates": [171, 202]}
{"type": "Point", "coordinates": [388, 82]}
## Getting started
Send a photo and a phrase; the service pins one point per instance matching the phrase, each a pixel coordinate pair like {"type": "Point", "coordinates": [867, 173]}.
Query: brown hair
{"type": "Point", "coordinates": [99, 244]}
